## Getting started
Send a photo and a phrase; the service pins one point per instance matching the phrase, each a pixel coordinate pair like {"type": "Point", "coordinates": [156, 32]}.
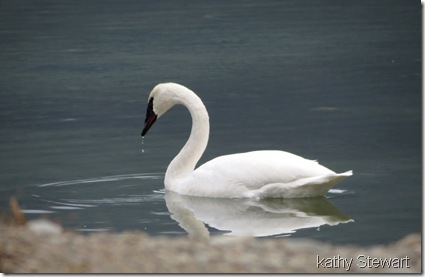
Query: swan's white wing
{"type": "Point", "coordinates": [255, 169]}
{"type": "Point", "coordinates": [261, 174]}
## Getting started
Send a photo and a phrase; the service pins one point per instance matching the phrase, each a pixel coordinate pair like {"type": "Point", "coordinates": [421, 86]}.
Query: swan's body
{"type": "Point", "coordinates": [257, 174]}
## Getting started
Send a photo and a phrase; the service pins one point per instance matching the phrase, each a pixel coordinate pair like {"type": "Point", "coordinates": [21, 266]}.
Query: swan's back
{"type": "Point", "coordinates": [261, 174]}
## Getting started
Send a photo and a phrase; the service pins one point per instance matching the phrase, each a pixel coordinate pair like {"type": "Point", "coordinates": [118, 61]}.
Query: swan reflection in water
{"type": "Point", "coordinates": [244, 216]}
{"type": "Point", "coordinates": [248, 217]}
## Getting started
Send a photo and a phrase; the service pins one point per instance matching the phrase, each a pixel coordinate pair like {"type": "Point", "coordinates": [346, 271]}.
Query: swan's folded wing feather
{"type": "Point", "coordinates": [306, 187]}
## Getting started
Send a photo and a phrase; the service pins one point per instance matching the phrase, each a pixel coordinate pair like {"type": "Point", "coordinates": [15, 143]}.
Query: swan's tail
{"type": "Point", "coordinates": [340, 176]}
{"type": "Point", "coordinates": [346, 174]}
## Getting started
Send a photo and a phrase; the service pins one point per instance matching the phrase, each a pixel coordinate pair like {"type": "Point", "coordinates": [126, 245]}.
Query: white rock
{"type": "Point", "coordinates": [43, 226]}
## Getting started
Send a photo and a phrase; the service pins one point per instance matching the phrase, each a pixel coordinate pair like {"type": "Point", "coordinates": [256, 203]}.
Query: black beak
{"type": "Point", "coordinates": [150, 117]}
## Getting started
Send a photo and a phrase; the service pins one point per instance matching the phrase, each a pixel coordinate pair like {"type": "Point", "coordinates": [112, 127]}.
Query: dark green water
{"type": "Point", "coordinates": [336, 81]}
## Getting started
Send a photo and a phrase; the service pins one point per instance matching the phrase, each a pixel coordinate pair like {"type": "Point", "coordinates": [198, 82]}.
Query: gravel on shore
{"type": "Point", "coordinates": [43, 247]}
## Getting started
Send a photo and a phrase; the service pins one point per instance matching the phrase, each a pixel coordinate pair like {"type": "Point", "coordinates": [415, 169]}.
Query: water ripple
{"type": "Point", "coordinates": [60, 200]}
{"type": "Point", "coordinates": [105, 179]}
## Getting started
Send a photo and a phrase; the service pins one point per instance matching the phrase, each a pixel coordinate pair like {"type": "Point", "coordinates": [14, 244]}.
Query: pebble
{"type": "Point", "coordinates": [44, 226]}
{"type": "Point", "coordinates": [41, 247]}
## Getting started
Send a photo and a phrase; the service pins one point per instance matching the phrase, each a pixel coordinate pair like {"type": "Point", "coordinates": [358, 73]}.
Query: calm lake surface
{"type": "Point", "coordinates": [336, 81]}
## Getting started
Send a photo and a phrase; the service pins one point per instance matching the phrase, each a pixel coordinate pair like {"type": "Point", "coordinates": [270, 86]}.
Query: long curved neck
{"type": "Point", "coordinates": [184, 163]}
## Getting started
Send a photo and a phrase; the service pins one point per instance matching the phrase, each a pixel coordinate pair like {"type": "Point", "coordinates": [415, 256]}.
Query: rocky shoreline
{"type": "Point", "coordinates": [43, 247]}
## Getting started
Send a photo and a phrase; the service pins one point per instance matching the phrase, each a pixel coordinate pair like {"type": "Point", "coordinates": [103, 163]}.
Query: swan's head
{"type": "Point", "coordinates": [161, 99]}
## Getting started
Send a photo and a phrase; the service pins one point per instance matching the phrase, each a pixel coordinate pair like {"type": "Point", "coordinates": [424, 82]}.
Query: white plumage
{"type": "Point", "coordinates": [257, 174]}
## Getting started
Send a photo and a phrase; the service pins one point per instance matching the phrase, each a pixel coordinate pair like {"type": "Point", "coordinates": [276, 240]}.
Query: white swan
{"type": "Point", "coordinates": [257, 174]}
